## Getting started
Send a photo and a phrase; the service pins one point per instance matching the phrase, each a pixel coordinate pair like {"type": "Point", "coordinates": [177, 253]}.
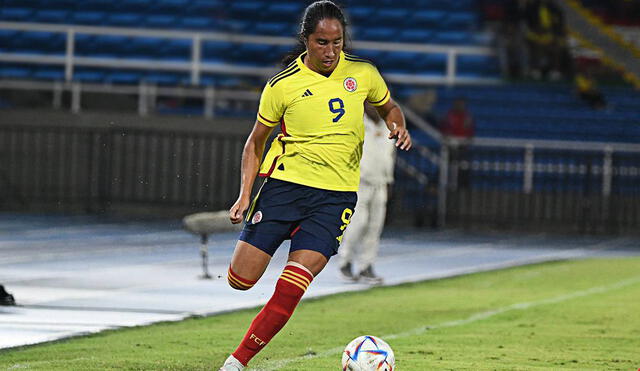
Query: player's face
{"type": "Point", "coordinates": [324, 45]}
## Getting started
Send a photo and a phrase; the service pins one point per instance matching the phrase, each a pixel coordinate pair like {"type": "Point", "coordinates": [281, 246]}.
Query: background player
{"type": "Point", "coordinates": [312, 168]}
{"type": "Point", "coordinates": [362, 238]}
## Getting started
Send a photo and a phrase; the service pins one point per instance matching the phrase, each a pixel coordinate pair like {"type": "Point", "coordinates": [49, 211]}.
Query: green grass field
{"type": "Point", "coordinates": [563, 315]}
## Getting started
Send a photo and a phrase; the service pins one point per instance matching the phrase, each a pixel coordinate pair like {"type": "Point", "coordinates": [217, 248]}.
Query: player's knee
{"type": "Point", "coordinates": [237, 282]}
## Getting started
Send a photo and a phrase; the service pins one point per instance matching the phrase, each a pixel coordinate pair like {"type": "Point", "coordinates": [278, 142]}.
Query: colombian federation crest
{"type": "Point", "coordinates": [257, 217]}
{"type": "Point", "coordinates": [350, 84]}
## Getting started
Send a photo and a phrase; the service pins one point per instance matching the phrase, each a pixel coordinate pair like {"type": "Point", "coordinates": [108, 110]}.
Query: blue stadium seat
{"type": "Point", "coordinates": [48, 73]}
{"type": "Point", "coordinates": [173, 7]}
{"type": "Point", "coordinates": [197, 23]}
{"type": "Point", "coordinates": [111, 45]}
{"type": "Point", "coordinates": [97, 5]}
{"type": "Point", "coordinates": [453, 37]}
{"type": "Point", "coordinates": [427, 19]}
{"type": "Point", "coordinates": [11, 71]}
{"type": "Point", "coordinates": [360, 14]}
{"type": "Point", "coordinates": [7, 39]}
{"type": "Point", "coordinates": [216, 51]}
{"type": "Point", "coordinates": [205, 8]}
{"type": "Point", "coordinates": [270, 28]}
{"type": "Point", "coordinates": [16, 14]}
{"type": "Point", "coordinates": [93, 18]}
{"type": "Point", "coordinates": [51, 16]}
{"type": "Point", "coordinates": [176, 50]}
{"type": "Point", "coordinates": [284, 11]}
{"type": "Point", "coordinates": [167, 78]}
{"type": "Point", "coordinates": [379, 33]}
{"type": "Point", "coordinates": [124, 77]}
{"type": "Point", "coordinates": [460, 21]}
{"type": "Point", "coordinates": [253, 54]}
{"type": "Point", "coordinates": [392, 17]}
{"type": "Point", "coordinates": [432, 63]}
{"type": "Point", "coordinates": [124, 19]}
{"type": "Point", "coordinates": [147, 47]}
{"type": "Point", "coordinates": [160, 21]}
{"type": "Point", "coordinates": [40, 42]}
{"type": "Point", "coordinates": [253, 10]}
{"type": "Point", "coordinates": [89, 75]}
{"type": "Point", "coordinates": [415, 35]}
{"type": "Point", "coordinates": [477, 65]}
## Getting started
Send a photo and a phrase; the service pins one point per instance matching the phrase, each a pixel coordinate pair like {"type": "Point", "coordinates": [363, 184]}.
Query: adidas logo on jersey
{"type": "Point", "coordinates": [307, 93]}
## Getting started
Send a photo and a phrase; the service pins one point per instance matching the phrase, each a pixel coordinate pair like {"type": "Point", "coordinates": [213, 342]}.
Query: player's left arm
{"type": "Point", "coordinates": [394, 118]}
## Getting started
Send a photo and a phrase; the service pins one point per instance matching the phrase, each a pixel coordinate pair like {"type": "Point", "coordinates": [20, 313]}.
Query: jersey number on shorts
{"type": "Point", "coordinates": [346, 219]}
{"type": "Point", "coordinates": [336, 105]}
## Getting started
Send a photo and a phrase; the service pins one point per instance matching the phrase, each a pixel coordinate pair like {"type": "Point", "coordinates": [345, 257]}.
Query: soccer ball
{"type": "Point", "coordinates": [368, 353]}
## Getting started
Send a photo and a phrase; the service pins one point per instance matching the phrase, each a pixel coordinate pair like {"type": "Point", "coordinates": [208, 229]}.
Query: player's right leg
{"type": "Point", "coordinates": [247, 266]}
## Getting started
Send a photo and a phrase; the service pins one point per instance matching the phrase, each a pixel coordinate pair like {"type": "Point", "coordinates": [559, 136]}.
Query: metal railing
{"type": "Point", "coordinates": [196, 66]}
{"type": "Point", "coordinates": [589, 187]}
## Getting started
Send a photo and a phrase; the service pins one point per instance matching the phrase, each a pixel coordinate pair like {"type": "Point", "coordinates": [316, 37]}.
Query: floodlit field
{"type": "Point", "coordinates": [563, 315]}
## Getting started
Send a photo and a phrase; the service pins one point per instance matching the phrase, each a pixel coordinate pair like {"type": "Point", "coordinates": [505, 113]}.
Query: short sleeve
{"type": "Point", "coordinates": [378, 93]}
{"type": "Point", "coordinates": [271, 106]}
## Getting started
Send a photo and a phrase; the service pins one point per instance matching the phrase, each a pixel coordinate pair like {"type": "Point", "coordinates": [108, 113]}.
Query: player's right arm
{"type": "Point", "coordinates": [251, 158]}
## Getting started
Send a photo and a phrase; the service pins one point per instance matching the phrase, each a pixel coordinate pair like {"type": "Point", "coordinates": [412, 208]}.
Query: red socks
{"type": "Point", "coordinates": [238, 282]}
{"type": "Point", "coordinates": [291, 285]}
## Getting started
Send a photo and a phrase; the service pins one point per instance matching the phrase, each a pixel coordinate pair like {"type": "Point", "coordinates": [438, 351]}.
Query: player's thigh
{"type": "Point", "coordinates": [248, 261]}
{"type": "Point", "coordinates": [314, 261]}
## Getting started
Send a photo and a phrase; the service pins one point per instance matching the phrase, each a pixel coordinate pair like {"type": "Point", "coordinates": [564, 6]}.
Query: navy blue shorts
{"type": "Point", "coordinates": [313, 218]}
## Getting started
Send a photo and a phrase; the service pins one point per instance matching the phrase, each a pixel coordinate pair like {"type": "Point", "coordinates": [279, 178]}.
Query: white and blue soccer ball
{"type": "Point", "coordinates": [368, 353]}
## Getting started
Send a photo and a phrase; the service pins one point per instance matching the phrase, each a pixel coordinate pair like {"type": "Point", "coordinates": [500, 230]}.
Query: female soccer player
{"type": "Point", "coordinates": [311, 169]}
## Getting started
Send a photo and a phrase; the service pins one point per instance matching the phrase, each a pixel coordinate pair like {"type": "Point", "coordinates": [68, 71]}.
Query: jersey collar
{"type": "Point", "coordinates": [335, 72]}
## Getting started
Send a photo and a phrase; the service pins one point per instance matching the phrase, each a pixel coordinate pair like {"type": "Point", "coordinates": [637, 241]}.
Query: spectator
{"type": "Point", "coordinates": [362, 238]}
{"type": "Point", "coordinates": [546, 38]}
{"type": "Point", "coordinates": [5, 297]}
{"type": "Point", "coordinates": [511, 39]}
{"type": "Point", "coordinates": [587, 89]}
{"type": "Point", "coordinates": [458, 125]}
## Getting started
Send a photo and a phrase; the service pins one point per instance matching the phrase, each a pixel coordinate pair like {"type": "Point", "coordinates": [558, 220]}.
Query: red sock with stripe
{"type": "Point", "coordinates": [291, 285]}
{"type": "Point", "coordinates": [238, 282]}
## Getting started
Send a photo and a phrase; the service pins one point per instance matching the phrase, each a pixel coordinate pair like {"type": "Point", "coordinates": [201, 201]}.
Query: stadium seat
{"type": "Point", "coordinates": [176, 50]}
{"type": "Point", "coordinates": [93, 18]}
{"type": "Point", "coordinates": [160, 21]}
{"type": "Point", "coordinates": [360, 14]}
{"type": "Point", "coordinates": [124, 77]}
{"type": "Point", "coordinates": [463, 21]}
{"type": "Point", "coordinates": [379, 33]}
{"type": "Point", "coordinates": [253, 10]}
{"type": "Point", "coordinates": [216, 51]}
{"type": "Point", "coordinates": [415, 35]}
{"type": "Point", "coordinates": [16, 14]}
{"type": "Point", "coordinates": [48, 73]}
{"type": "Point", "coordinates": [197, 23]}
{"type": "Point", "coordinates": [426, 19]}
{"type": "Point", "coordinates": [270, 28]}
{"type": "Point", "coordinates": [89, 75]}
{"type": "Point", "coordinates": [166, 78]}
{"type": "Point", "coordinates": [123, 19]}
{"type": "Point", "coordinates": [452, 37]}
{"type": "Point", "coordinates": [50, 16]}
{"type": "Point", "coordinates": [389, 17]}
{"type": "Point", "coordinates": [12, 71]}
{"type": "Point", "coordinates": [283, 11]}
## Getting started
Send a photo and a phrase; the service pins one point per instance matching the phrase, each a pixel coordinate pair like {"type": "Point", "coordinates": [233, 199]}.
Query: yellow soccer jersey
{"type": "Point", "coordinates": [321, 120]}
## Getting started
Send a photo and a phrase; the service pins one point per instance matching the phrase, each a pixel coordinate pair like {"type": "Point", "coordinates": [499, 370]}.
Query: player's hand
{"type": "Point", "coordinates": [236, 213]}
{"type": "Point", "coordinates": [403, 139]}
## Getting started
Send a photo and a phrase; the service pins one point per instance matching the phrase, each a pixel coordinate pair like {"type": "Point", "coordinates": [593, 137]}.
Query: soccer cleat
{"type": "Point", "coordinates": [345, 273]}
{"type": "Point", "coordinates": [232, 364]}
{"type": "Point", "coordinates": [369, 277]}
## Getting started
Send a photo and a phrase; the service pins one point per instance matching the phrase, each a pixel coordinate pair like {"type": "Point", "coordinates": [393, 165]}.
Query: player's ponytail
{"type": "Point", "coordinates": [314, 13]}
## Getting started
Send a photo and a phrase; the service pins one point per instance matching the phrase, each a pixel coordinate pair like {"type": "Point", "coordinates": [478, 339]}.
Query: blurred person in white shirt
{"type": "Point", "coordinates": [362, 238]}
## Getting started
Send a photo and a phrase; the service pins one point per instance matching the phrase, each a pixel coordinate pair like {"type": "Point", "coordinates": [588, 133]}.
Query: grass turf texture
{"type": "Point", "coordinates": [567, 324]}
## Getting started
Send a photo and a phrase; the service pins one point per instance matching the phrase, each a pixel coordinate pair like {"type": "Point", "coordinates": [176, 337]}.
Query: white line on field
{"type": "Point", "coordinates": [278, 364]}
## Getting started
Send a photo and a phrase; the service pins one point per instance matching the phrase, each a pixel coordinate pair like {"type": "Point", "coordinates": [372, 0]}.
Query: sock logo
{"type": "Point", "coordinates": [256, 340]}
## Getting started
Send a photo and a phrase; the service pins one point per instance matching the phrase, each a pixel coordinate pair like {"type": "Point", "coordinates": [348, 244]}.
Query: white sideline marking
{"type": "Point", "coordinates": [278, 364]}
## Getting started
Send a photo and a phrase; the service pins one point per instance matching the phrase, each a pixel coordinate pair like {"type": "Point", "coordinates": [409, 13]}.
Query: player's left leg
{"type": "Point", "coordinates": [302, 267]}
